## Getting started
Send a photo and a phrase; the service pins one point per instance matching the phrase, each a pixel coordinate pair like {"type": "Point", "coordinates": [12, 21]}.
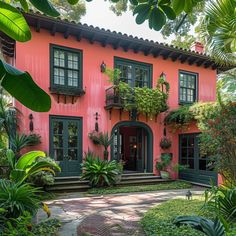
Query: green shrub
{"type": "Point", "coordinates": [22, 226]}
{"type": "Point", "coordinates": [209, 227]}
{"type": "Point", "coordinates": [222, 200]}
{"type": "Point", "coordinates": [3, 220]}
{"type": "Point", "coordinates": [29, 164]}
{"type": "Point", "coordinates": [165, 162]}
{"type": "Point", "coordinates": [49, 227]}
{"type": "Point", "coordinates": [160, 219]}
{"type": "Point", "coordinates": [99, 172]}
{"type": "Point", "coordinates": [16, 198]}
{"type": "Point", "coordinates": [42, 179]}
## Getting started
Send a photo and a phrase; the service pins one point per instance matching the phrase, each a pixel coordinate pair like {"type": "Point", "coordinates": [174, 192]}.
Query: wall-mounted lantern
{"type": "Point", "coordinates": [96, 122]}
{"type": "Point", "coordinates": [31, 124]}
{"type": "Point", "coordinates": [103, 67]}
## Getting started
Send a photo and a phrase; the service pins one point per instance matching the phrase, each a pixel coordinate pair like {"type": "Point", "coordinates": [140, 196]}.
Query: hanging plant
{"type": "Point", "coordinates": [165, 143]}
{"type": "Point", "coordinates": [179, 118]}
{"type": "Point", "coordinates": [94, 137]}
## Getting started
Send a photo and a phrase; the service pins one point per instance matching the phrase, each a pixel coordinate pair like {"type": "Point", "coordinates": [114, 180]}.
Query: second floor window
{"type": "Point", "coordinates": [136, 74]}
{"type": "Point", "coordinates": [187, 87]}
{"type": "Point", "coordinates": [66, 69]}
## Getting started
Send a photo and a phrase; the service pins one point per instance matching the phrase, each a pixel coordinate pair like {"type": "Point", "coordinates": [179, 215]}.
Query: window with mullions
{"type": "Point", "coordinates": [136, 74]}
{"type": "Point", "coordinates": [187, 87]}
{"type": "Point", "coordinates": [66, 71]}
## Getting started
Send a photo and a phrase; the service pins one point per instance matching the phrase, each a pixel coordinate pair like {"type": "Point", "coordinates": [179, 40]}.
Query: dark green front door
{"type": "Point", "coordinates": [66, 144]}
{"type": "Point", "coordinates": [199, 169]}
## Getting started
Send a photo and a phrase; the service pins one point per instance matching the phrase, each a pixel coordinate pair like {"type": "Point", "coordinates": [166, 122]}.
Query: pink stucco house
{"type": "Point", "coordinates": [67, 59]}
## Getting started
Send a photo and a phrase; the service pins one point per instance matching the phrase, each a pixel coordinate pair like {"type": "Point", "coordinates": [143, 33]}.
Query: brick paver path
{"type": "Point", "coordinates": [109, 215]}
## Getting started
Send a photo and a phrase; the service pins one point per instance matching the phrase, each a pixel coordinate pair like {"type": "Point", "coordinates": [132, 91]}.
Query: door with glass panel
{"type": "Point", "coordinates": [200, 168]}
{"type": "Point", "coordinates": [66, 144]}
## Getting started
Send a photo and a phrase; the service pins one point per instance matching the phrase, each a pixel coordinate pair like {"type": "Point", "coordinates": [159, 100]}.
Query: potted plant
{"type": "Point", "coordinates": [164, 164]}
{"type": "Point", "coordinates": [165, 143]}
{"type": "Point", "coordinates": [105, 140]}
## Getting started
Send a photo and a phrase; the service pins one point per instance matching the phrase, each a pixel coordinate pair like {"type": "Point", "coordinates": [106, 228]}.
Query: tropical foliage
{"type": "Point", "coordinates": [208, 227]}
{"type": "Point", "coordinates": [17, 198]}
{"type": "Point", "coordinates": [99, 172]}
{"type": "Point", "coordinates": [29, 164]}
{"type": "Point", "coordinates": [9, 121]}
{"type": "Point", "coordinates": [159, 220]}
{"type": "Point", "coordinates": [218, 139]}
{"type": "Point", "coordinates": [227, 85]}
{"type": "Point", "coordinates": [164, 163]}
{"type": "Point", "coordinates": [222, 200]}
{"type": "Point", "coordinates": [42, 179]}
{"type": "Point", "coordinates": [218, 29]}
{"type": "Point", "coordinates": [16, 82]}
{"type": "Point", "coordinates": [105, 140]}
{"type": "Point", "coordinates": [20, 141]}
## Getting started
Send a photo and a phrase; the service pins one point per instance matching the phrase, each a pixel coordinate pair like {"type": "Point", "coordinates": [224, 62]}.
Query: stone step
{"type": "Point", "coordinates": [85, 187]}
{"type": "Point", "coordinates": [80, 182]}
{"type": "Point", "coordinates": [72, 182]}
{"type": "Point", "coordinates": [134, 174]}
{"type": "Point", "coordinates": [75, 183]}
{"type": "Point", "coordinates": [70, 188]}
{"type": "Point", "coordinates": [128, 178]}
{"type": "Point", "coordinates": [76, 178]}
{"type": "Point", "coordinates": [144, 182]}
{"type": "Point", "coordinates": [67, 178]}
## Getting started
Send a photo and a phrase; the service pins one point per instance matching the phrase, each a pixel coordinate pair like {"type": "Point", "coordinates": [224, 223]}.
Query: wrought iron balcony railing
{"type": "Point", "coordinates": [113, 98]}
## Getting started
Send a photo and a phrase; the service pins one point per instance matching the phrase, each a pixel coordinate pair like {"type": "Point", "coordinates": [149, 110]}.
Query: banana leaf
{"type": "Point", "coordinates": [21, 86]}
{"type": "Point", "coordinates": [27, 159]}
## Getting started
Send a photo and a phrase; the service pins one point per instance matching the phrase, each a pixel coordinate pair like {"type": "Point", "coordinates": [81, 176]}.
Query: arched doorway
{"type": "Point", "coordinates": [133, 143]}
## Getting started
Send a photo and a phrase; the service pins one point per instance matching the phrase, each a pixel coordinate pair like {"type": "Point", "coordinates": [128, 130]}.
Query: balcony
{"type": "Point", "coordinates": [113, 99]}
{"type": "Point", "coordinates": [139, 100]}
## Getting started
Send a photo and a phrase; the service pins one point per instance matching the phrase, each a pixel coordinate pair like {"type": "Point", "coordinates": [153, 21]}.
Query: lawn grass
{"type": "Point", "coordinates": [141, 188]}
{"type": "Point", "coordinates": [158, 221]}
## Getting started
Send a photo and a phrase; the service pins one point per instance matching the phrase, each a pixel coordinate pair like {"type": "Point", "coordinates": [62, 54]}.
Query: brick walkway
{"type": "Point", "coordinates": [109, 215]}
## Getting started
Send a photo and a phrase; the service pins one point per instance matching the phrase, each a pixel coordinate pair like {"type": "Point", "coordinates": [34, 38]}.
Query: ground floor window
{"type": "Point", "coordinates": [66, 143]}
{"type": "Point", "coordinates": [200, 168]}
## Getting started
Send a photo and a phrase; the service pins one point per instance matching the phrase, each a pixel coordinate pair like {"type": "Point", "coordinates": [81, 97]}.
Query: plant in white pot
{"type": "Point", "coordinates": [163, 165]}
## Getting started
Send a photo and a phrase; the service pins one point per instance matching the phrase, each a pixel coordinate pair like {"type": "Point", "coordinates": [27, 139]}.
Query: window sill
{"type": "Point", "coordinates": [77, 92]}
{"type": "Point", "coordinates": [187, 103]}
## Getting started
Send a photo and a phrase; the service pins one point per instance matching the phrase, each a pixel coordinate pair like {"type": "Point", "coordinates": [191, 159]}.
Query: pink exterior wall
{"type": "Point", "coordinates": [34, 57]}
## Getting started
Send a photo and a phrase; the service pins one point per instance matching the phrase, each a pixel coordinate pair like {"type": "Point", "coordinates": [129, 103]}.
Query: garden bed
{"type": "Point", "coordinates": [141, 188]}
{"type": "Point", "coordinates": [159, 220]}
